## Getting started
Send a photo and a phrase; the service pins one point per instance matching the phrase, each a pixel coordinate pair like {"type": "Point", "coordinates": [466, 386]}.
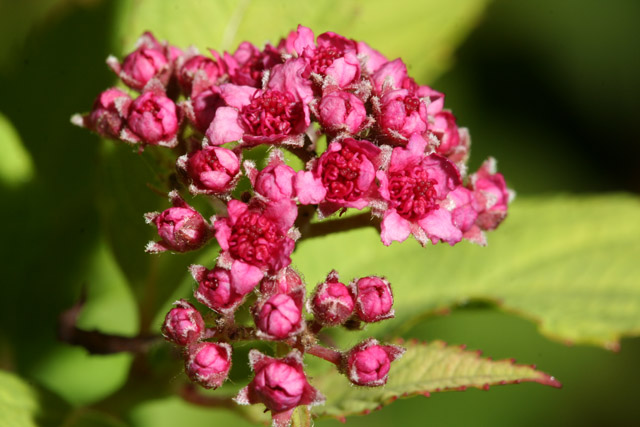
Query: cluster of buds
{"type": "Point", "coordinates": [392, 149]}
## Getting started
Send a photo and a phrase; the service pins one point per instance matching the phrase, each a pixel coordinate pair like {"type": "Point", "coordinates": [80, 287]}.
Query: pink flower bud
{"type": "Point", "coordinates": [198, 73]}
{"type": "Point", "coordinates": [211, 170]}
{"type": "Point", "coordinates": [368, 363]}
{"type": "Point", "coordinates": [183, 324]}
{"type": "Point", "coordinates": [287, 281]}
{"type": "Point", "coordinates": [181, 228]}
{"type": "Point", "coordinates": [208, 363]}
{"type": "Point", "coordinates": [373, 299]}
{"type": "Point", "coordinates": [342, 111]}
{"type": "Point", "coordinates": [401, 115]}
{"type": "Point", "coordinates": [491, 195]}
{"type": "Point", "coordinates": [332, 302]}
{"type": "Point", "coordinates": [280, 316]}
{"type": "Point", "coordinates": [141, 65]}
{"type": "Point", "coordinates": [201, 108]}
{"type": "Point", "coordinates": [108, 115]}
{"type": "Point", "coordinates": [224, 290]}
{"type": "Point", "coordinates": [152, 120]}
{"type": "Point", "coordinates": [280, 384]}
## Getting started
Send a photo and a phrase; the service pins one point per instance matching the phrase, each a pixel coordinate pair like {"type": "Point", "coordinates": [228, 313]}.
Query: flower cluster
{"type": "Point", "coordinates": [392, 149]}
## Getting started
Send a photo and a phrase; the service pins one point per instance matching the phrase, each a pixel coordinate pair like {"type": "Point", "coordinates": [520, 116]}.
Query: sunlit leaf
{"type": "Point", "coordinates": [423, 369]}
{"type": "Point", "coordinates": [18, 401]}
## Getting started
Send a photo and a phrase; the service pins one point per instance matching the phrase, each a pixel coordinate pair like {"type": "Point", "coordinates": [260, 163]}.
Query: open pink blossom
{"type": "Point", "coordinates": [491, 195]}
{"type": "Point", "coordinates": [368, 363]}
{"type": "Point", "coordinates": [372, 59]}
{"type": "Point", "coordinates": [108, 115]}
{"type": "Point", "coordinates": [279, 384]}
{"type": "Point", "coordinates": [342, 111]}
{"type": "Point", "coordinates": [415, 187]}
{"type": "Point", "coordinates": [153, 120]}
{"type": "Point", "coordinates": [263, 117]}
{"type": "Point", "coordinates": [211, 170]}
{"type": "Point", "coordinates": [181, 228]}
{"type": "Point", "coordinates": [401, 115]}
{"type": "Point", "coordinates": [347, 170]}
{"type": "Point", "coordinates": [248, 63]}
{"type": "Point", "coordinates": [208, 363]}
{"type": "Point", "coordinates": [256, 236]}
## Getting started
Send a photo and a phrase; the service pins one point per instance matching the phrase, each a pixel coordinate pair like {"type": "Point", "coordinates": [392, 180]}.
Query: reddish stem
{"type": "Point", "coordinates": [328, 354]}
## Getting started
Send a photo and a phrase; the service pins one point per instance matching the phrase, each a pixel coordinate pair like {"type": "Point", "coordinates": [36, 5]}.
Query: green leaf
{"type": "Point", "coordinates": [16, 165]}
{"type": "Point", "coordinates": [18, 402]}
{"type": "Point", "coordinates": [423, 369]}
{"type": "Point", "coordinates": [569, 263]}
{"type": "Point", "coordinates": [301, 417]}
{"type": "Point", "coordinates": [425, 38]}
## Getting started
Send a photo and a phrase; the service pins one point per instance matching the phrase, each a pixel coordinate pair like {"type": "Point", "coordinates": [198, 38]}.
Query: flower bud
{"type": "Point", "coordinates": [224, 290]}
{"type": "Point", "coordinates": [368, 363]}
{"type": "Point", "coordinates": [108, 115]}
{"type": "Point", "coordinates": [201, 108]}
{"type": "Point", "coordinates": [152, 120]}
{"type": "Point", "coordinates": [373, 299]}
{"type": "Point", "coordinates": [342, 111]}
{"type": "Point", "coordinates": [491, 195]}
{"type": "Point", "coordinates": [280, 384]}
{"type": "Point", "coordinates": [287, 281]}
{"type": "Point", "coordinates": [208, 363]}
{"type": "Point", "coordinates": [332, 302]}
{"type": "Point", "coordinates": [140, 66]}
{"type": "Point", "coordinates": [183, 324]}
{"type": "Point", "coordinates": [280, 316]}
{"type": "Point", "coordinates": [275, 182]}
{"type": "Point", "coordinates": [211, 170]}
{"type": "Point", "coordinates": [181, 228]}
{"type": "Point", "coordinates": [197, 73]}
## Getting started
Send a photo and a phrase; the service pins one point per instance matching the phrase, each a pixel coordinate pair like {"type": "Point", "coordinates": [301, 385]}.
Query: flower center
{"type": "Point", "coordinates": [271, 113]}
{"type": "Point", "coordinates": [340, 175]}
{"type": "Point", "coordinates": [254, 239]}
{"type": "Point", "coordinates": [323, 57]}
{"type": "Point", "coordinates": [413, 194]}
{"type": "Point", "coordinates": [411, 104]}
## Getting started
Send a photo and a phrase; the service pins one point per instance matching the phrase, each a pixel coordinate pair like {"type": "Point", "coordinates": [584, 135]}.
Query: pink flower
{"type": "Point", "coordinates": [285, 282]}
{"type": "Point", "coordinates": [332, 302]}
{"type": "Point", "coordinates": [208, 363]}
{"type": "Point", "coordinates": [347, 170]}
{"type": "Point", "coordinates": [415, 187]}
{"type": "Point", "coordinates": [201, 109]}
{"type": "Point", "coordinates": [256, 237]}
{"type": "Point", "coordinates": [280, 315]}
{"type": "Point", "coordinates": [211, 170]}
{"type": "Point", "coordinates": [491, 195]}
{"type": "Point", "coordinates": [464, 215]}
{"type": "Point", "coordinates": [264, 117]}
{"type": "Point", "coordinates": [248, 63]}
{"type": "Point", "coordinates": [275, 181]}
{"type": "Point", "coordinates": [373, 299]}
{"type": "Point", "coordinates": [152, 120]}
{"type": "Point", "coordinates": [197, 73]}
{"type": "Point", "coordinates": [108, 115]}
{"type": "Point", "coordinates": [280, 384]}
{"type": "Point", "coordinates": [389, 76]}
{"type": "Point", "coordinates": [454, 142]}
{"type": "Point", "coordinates": [401, 115]}
{"type": "Point", "coordinates": [148, 61]}
{"type": "Point", "coordinates": [342, 111]}
{"type": "Point", "coordinates": [373, 59]}
{"type": "Point", "coordinates": [224, 290]}
{"type": "Point", "coordinates": [181, 228]}
{"type": "Point", "coordinates": [183, 324]}
{"type": "Point", "coordinates": [368, 363]}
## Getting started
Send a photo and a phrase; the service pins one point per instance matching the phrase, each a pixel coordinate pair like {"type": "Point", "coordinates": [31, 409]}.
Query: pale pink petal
{"type": "Point", "coordinates": [225, 127]}
{"type": "Point", "coordinates": [305, 39]}
{"type": "Point", "coordinates": [308, 188]}
{"type": "Point", "coordinates": [344, 70]}
{"type": "Point", "coordinates": [394, 228]}
{"type": "Point", "coordinates": [236, 209]}
{"type": "Point", "coordinates": [244, 277]}
{"type": "Point", "coordinates": [237, 96]}
{"type": "Point", "coordinates": [439, 226]}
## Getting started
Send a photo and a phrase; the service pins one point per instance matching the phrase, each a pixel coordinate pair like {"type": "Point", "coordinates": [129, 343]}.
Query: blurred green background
{"type": "Point", "coordinates": [549, 88]}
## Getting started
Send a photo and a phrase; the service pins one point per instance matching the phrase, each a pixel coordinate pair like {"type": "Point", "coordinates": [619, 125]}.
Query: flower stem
{"type": "Point", "coordinates": [328, 354]}
{"type": "Point", "coordinates": [342, 224]}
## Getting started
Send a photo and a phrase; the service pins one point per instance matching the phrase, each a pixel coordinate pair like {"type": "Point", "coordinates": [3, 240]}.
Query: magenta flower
{"type": "Point", "coordinates": [279, 316]}
{"type": "Point", "coordinates": [347, 170]}
{"type": "Point", "coordinates": [152, 120]}
{"type": "Point", "coordinates": [341, 111]}
{"type": "Point", "coordinates": [491, 195]}
{"type": "Point", "coordinates": [201, 108]}
{"type": "Point", "coordinates": [197, 73]}
{"type": "Point", "coordinates": [454, 142]}
{"type": "Point", "coordinates": [332, 302]}
{"type": "Point", "coordinates": [464, 215]}
{"type": "Point", "coordinates": [181, 228]}
{"type": "Point", "coordinates": [257, 237]}
{"type": "Point", "coordinates": [211, 170]}
{"type": "Point", "coordinates": [149, 61]}
{"type": "Point", "coordinates": [389, 76]}
{"type": "Point", "coordinates": [415, 187]}
{"type": "Point", "coordinates": [373, 59]}
{"type": "Point", "coordinates": [108, 115]}
{"type": "Point", "coordinates": [373, 299]}
{"type": "Point", "coordinates": [183, 324]}
{"type": "Point", "coordinates": [224, 290]}
{"type": "Point", "coordinates": [286, 281]}
{"type": "Point", "coordinates": [368, 363]}
{"type": "Point", "coordinates": [275, 181]}
{"type": "Point", "coordinates": [280, 384]}
{"type": "Point", "coordinates": [208, 363]}
{"type": "Point", "coordinates": [248, 63]}
{"type": "Point", "coordinates": [401, 115]}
